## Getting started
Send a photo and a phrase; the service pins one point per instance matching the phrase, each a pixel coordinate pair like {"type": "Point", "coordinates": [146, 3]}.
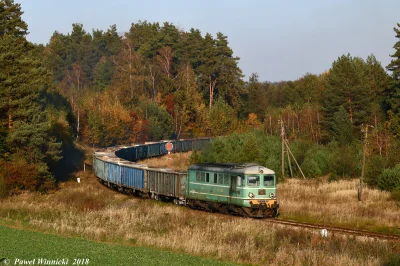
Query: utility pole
{"type": "Point", "coordinates": [294, 158]}
{"type": "Point", "coordinates": [283, 148]}
{"type": "Point", "coordinates": [365, 130]}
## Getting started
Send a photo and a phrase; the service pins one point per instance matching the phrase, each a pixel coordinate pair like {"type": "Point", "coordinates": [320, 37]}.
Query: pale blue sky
{"type": "Point", "coordinates": [280, 40]}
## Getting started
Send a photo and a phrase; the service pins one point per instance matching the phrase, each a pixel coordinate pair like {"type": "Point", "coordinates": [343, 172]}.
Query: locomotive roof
{"type": "Point", "coordinates": [248, 168]}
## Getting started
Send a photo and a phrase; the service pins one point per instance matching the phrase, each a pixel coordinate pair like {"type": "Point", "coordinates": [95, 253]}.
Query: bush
{"type": "Point", "coordinates": [299, 149]}
{"type": "Point", "coordinates": [3, 187]}
{"type": "Point", "coordinates": [17, 176]}
{"type": "Point", "coordinates": [373, 169]}
{"type": "Point", "coordinates": [396, 195]}
{"type": "Point", "coordinates": [389, 180]}
{"type": "Point", "coordinates": [393, 260]}
{"type": "Point", "coordinates": [317, 161]}
{"type": "Point", "coordinates": [346, 160]}
{"type": "Point", "coordinates": [333, 178]}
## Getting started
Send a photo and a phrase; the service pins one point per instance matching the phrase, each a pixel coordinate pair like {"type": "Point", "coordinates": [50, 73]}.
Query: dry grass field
{"type": "Point", "coordinates": [92, 211]}
{"type": "Point", "coordinates": [323, 202]}
{"type": "Point", "coordinates": [178, 161]}
{"type": "Point", "coordinates": [336, 203]}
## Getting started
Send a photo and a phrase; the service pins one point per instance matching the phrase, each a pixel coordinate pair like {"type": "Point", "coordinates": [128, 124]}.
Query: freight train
{"type": "Point", "coordinates": [241, 189]}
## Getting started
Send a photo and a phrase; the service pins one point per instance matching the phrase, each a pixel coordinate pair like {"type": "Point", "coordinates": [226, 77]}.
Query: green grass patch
{"type": "Point", "coordinates": [20, 245]}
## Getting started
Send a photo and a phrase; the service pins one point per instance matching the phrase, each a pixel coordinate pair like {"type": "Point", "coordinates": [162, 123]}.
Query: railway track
{"type": "Point", "coordinates": [341, 230]}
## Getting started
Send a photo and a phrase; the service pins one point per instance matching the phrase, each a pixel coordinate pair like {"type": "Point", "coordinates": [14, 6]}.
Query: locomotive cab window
{"type": "Point", "coordinates": [269, 181]}
{"type": "Point", "coordinates": [253, 181]}
{"type": "Point", "coordinates": [203, 176]}
{"type": "Point", "coordinates": [198, 176]}
{"type": "Point", "coordinates": [226, 179]}
{"type": "Point", "coordinates": [220, 178]}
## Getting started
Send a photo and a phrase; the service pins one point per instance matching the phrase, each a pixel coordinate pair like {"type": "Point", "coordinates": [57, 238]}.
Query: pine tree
{"type": "Point", "coordinates": [347, 85]}
{"type": "Point", "coordinates": [257, 99]}
{"type": "Point", "coordinates": [11, 21]}
{"type": "Point", "coordinates": [342, 128]}
{"type": "Point", "coordinates": [231, 85]}
{"type": "Point", "coordinates": [23, 80]}
{"type": "Point", "coordinates": [393, 100]}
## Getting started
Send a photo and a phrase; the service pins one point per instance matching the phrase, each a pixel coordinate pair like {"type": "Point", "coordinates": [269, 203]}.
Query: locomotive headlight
{"type": "Point", "coordinates": [272, 195]}
{"type": "Point", "coordinates": [251, 195]}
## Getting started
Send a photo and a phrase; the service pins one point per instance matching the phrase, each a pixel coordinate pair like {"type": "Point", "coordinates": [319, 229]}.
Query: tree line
{"type": "Point", "coordinates": [158, 81]}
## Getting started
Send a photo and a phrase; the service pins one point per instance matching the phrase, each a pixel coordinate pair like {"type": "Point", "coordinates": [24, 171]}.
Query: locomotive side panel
{"type": "Point", "coordinates": [204, 185]}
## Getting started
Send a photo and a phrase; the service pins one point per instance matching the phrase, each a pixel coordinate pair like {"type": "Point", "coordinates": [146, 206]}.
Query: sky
{"type": "Point", "coordinates": [279, 40]}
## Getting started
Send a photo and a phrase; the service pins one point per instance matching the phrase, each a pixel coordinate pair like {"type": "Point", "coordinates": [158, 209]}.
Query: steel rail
{"type": "Point", "coordinates": [343, 230]}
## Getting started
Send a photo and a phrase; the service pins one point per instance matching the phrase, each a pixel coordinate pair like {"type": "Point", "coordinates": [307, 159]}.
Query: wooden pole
{"type": "Point", "coordinates": [290, 164]}
{"type": "Point", "coordinates": [283, 149]}
{"type": "Point", "coordinates": [287, 146]}
{"type": "Point", "coordinates": [363, 164]}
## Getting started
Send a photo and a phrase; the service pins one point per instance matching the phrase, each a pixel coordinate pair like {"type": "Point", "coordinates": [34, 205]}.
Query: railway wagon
{"type": "Point", "coordinates": [153, 149]}
{"type": "Point", "coordinates": [141, 152]}
{"type": "Point", "coordinates": [133, 177]}
{"type": "Point", "coordinates": [167, 185]}
{"type": "Point", "coordinates": [141, 180]}
{"type": "Point", "coordinates": [126, 153]}
{"type": "Point", "coordinates": [247, 190]}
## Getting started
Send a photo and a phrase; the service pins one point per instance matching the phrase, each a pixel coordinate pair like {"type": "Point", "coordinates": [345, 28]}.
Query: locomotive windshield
{"type": "Point", "coordinates": [253, 181]}
{"type": "Point", "coordinates": [269, 181]}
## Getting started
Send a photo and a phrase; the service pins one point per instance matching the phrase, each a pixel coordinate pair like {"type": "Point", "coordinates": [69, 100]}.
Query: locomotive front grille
{"type": "Point", "coordinates": [261, 192]}
{"type": "Point", "coordinates": [258, 202]}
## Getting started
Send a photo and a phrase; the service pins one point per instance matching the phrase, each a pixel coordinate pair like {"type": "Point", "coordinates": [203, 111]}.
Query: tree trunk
{"type": "Point", "coordinates": [298, 123]}
{"type": "Point", "coordinates": [212, 87]}
{"type": "Point", "coordinates": [270, 123]}
{"type": "Point", "coordinates": [378, 142]}
{"type": "Point", "coordinates": [9, 119]}
{"type": "Point", "coordinates": [319, 127]}
{"type": "Point", "coordinates": [77, 127]}
{"type": "Point", "coordinates": [350, 108]}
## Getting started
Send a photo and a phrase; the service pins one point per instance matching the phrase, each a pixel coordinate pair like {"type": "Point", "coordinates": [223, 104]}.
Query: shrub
{"type": "Point", "coordinates": [373, 169]}
{"type": "Point", "coordinates": [396, 194]}
{"type": "Point", "coordinates": [393, 260]}
{"type": "Point", "coordinates": [346, 161]}
{"type": "Point", "coordinates": [3, 187]}
{"type": "Point", "coordinates": [17, 176]}
{"type": "Point", "coordinates": [389, 180]}
{"type": "Point", "coordinates": [333, 178]}
{"type": "Point", "coordinates": [316, 162]}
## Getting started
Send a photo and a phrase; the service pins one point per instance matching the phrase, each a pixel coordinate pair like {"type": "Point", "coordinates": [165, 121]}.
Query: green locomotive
{"type": "Point", "coordinates": [242, 189]}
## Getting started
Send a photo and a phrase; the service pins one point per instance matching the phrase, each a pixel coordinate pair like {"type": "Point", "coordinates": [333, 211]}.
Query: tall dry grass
{"type": "Point", "coordinates": [178, 161]}
{"type": "Point", "coordinates": [336, 203]}
{"type": "Point", "coordinates": [93, 211]}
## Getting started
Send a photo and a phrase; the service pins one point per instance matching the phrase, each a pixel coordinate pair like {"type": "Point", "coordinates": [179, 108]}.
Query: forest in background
{"type": "Point", "coordinates": [161, 82]}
